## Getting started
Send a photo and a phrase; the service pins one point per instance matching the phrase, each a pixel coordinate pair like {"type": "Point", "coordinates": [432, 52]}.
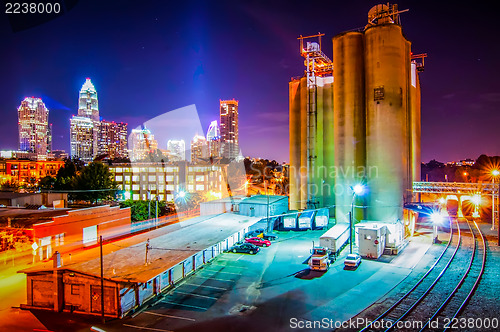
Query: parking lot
{"type": "Point", "coordinates": [236, 291]}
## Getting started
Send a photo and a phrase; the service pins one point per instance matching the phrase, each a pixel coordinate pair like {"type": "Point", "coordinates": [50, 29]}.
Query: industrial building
{"type": "Point", "coordinates": [135, 270]}
{"type": "Point", "coordinates": [65, 230]}
{"type": "Point", "coordinates": [255, 206]}
{"type": "Point", "coordinates": [356, 119]}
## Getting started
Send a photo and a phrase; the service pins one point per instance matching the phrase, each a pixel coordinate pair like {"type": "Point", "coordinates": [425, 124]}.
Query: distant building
{"type": "Point", "coordinates": [141, 143]}
{"type": "Point", "coordinates": [112, 139]}
{"type": "Point", "coordinates": [145, 181]}
{"type": "Point", "coordinates": [58, 154]}
{"type": "Point", "coordinates": [84, 128]}
{"type": "Point", "coordinates": [463, 162]}
{"type": "Point", "coordinates": [34, 128]}
{"type": "Point", "coordinates": [88, 105]}
{"type": "Point", "coordinates": [177, 149]}
{"type": "Point", "coordinates": [199, 148]}
{"type": "Point", "coordinates": [28, 171]}
{"type": "Point", "coordinates": [214, 140]}
{"type": "Point", "coordinates": [91, 137]}
{"type": "Point", "coordinates": [82, 139]}
{"type": "Point", "coordinates": [229, 128]}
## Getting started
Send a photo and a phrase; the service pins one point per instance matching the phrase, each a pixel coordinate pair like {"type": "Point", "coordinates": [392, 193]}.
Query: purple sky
{"type": "Point", "coordinates": [147, 58]}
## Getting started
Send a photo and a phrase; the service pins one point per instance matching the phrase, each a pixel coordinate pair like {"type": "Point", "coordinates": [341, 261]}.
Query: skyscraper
{"type": "Point", "coordinates": [84, 128]}
{"type": "Point", "coordinates": [177, 149]}
{"type": "Point", "coordinates": [229, 128]}
{"type": "Point", "coordinates": [213, 140]}
{"type": "Point", "coordinates": [141, 142]}
{"type": "Point", "coordinates": [198, 148]}
{"type": "Point", "coordinates": [82, 138]}
{"type": "Point", "coordinates": [88, 106]}
{"type": "Point", "coordinates": [112, 139]}
{"type": "Point", "coordinates": [34, 129]}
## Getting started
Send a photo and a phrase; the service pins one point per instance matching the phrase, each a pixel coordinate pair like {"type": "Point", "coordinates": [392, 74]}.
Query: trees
{"type": "Point", "coordinates": [95, 182]}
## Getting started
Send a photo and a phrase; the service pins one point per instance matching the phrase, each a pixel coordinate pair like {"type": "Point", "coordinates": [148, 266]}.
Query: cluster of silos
{"type": "Point", "coordinates": [372, 132]}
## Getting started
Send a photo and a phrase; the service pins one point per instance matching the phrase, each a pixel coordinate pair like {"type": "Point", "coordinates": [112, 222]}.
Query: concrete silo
{"type": "Point", "coordinates": [349, 119]}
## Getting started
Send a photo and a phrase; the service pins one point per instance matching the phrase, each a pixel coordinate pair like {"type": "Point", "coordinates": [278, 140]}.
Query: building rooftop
{"type": "Point", "coordinates": [22, 217]}
{"type": "Point", "coordinates": [125, 259]}
{"type": "Point", "coordinates": [263, 199]}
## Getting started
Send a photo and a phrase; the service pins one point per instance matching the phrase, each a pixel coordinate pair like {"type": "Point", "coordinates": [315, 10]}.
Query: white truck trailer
{"type": "Point", "coordinates": [330, 245]}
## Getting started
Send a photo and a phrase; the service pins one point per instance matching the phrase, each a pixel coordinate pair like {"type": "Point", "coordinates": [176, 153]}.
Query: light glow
{"type": "Point", "coordinates": [436, 218]}
{"type": "Point", "coordinates": [358, 189]}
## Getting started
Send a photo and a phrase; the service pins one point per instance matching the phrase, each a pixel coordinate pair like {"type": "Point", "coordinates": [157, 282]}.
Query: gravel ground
{"type": "Point", "coordinates": [484, 306]}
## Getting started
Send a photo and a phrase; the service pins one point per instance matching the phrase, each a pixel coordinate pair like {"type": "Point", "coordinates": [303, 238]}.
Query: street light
{"type": "Point", "coordinates": [436, 219]}
{"type": "Point", "coordinates": [476, 200]}
{"type": "Point", "coordinates": [357, 190]}
{"type": "Point", "coordinates": [494, 174]}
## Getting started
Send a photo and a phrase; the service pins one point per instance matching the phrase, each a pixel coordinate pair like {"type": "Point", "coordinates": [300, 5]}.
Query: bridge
{"type": "Point", "coordinates": [463, 191]}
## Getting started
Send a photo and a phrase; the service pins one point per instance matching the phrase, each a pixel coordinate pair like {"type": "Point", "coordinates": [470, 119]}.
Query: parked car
{"type": "Point", "coordinates": [352, 261]}
{"type": "Point", "coordinates": [270, 237]}
{"type": "Point", "coordinates": [246, 248]}
{"type": "Point", "coordinates": [254, 233]}
{"type": "Point", "coordinates": [258, 241]}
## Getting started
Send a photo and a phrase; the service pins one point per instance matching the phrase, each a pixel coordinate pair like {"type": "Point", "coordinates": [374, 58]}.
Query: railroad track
{"type": "Point", "coordinates": [438, 297]}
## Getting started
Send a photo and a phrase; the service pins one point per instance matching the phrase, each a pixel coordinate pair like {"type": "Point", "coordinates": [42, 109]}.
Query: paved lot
{"type": "Point", "coordinates": [270, 290]}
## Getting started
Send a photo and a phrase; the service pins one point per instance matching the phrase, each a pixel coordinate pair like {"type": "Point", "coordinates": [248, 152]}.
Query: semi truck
{"type": "Point", "coordinates": [330, 245]}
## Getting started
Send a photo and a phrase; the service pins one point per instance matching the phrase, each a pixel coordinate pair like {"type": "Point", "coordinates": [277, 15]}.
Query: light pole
{"type": "Point", "coordinates": [356, 191]}
{"type": "Point", "coordinates": [436, 219]}
{"type": "Point", "coordinates": [494, 174]}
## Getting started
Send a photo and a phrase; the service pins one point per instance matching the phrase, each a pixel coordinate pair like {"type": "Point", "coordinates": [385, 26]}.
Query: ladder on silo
{"type": "Point", "coordinates": [317, 64]}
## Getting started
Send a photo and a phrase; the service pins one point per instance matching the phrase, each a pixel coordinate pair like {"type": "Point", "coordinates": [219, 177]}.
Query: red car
{"type": "Point", "coordinates": [258, 241]}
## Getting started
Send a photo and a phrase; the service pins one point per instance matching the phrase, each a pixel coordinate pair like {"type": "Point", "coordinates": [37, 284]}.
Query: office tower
{"type": "Point", "coordinates": [84, 128]}
{"type": "Point", "coordinates": [82, 138]}
{"type": "Point", "coordinates": [141, 143]}
{"type": "Point", "coordinates": [229, 128]}
{"type": "Point", "coordinates": [214, 140]}
{"type": "Point", "coordinates": [34, 128]}
{"type": "Point", "coordinates": [88, 106]}
{"type": "Point", "coordinates": [112, 139]}
{"type": "Point", "coordinates": [177, 149]}
{"type": "Point", "coordinates": [199, 148]}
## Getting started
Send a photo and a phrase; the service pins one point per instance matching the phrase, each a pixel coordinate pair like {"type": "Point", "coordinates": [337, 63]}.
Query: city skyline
{"type": "Point", "coordinates": [455, 97]}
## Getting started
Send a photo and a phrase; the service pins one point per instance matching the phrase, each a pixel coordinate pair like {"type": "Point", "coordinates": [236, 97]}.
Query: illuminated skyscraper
{"type": "Point", "coordinates": [84, 128]}
{"type": "Point", "coordinates": [177, 149]}
{"type": "Point", "coordinates": [112, 139]}
{"type": "Point", "coordinates": [82, 138]}
{"type": "Point", "coordinates": [141, 142]}
{"type": "Point", "coordinates": [229, 128]}
{"type": "Point", "coordinates": [198, 148]}
{"type": "Point", "coordinates": [213, 140]}
{"type": "Point", "coordinates": [88, 106]}
{"type": "Point", "coordinates": [34, 129]}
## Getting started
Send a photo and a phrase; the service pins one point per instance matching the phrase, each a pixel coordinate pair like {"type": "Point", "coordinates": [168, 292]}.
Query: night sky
{"type": "Point", "coordinates": [148, 57]}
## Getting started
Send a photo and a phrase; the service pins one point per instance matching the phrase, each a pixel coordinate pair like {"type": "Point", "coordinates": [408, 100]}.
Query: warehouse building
{"type": "Point", "coordinates": [133, 274]}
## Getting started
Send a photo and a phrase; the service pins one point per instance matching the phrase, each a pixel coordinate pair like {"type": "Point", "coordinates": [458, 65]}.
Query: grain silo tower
{"type": "Point", "coordinates": [370, 131]}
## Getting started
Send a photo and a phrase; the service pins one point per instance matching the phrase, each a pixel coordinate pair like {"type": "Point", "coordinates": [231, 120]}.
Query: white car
{"type": "Point", "coordinates": [352, 260]}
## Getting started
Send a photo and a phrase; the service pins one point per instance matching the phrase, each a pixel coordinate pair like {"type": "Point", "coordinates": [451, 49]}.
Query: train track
{"type": "Point", "coordinates": [439, 296]}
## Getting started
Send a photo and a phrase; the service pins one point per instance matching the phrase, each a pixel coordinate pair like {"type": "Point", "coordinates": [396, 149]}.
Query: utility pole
{"type": "Point", "coordinates": [102, 282]}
